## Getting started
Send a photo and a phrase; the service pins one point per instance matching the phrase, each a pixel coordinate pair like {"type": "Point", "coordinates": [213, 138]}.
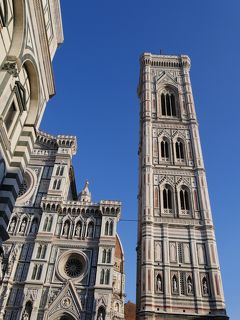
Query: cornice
{"type": "Point", "coordinates": [44, 46]}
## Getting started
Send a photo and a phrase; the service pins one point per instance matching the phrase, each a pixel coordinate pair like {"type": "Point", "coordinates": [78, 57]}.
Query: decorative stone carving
{"type": "Point", "coordinates": [25, 316]}
{"type": "Point", "coordinates": [11, 68]}
{"type": "Point", "coordinates": [31, 294]}
{"type": "Point", "coordinates": [66, 302]}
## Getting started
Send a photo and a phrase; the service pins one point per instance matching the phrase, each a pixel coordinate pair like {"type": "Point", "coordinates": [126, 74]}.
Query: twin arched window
{"type": "Point", "coordinates": [165, 153]}
{"type": "Point", "coordinates": [57, 184]}
{"type": "Point", "coordinates": [48, 224]}
{"type": "Point", "coordinates": [168, 104]}
{"type": "Point", "coordinates": [106, 255]}
{"type": "Point", "coordinates": [60, 170]}
{"type": "Point", "coordinates": [168, 201]}
{"type": "Point", "coordinates": [109, 228]}
{"type": "Point", "coordinates": [37, 272]}
{"type": "Point", "coordinates": [41, 252]}
{"type": "Point", "coordinates": [105, 276]}
{"type": "Point", "coordinates": [164, 149]}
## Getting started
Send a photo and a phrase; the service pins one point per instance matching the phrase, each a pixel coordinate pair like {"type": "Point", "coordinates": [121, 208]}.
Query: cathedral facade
{"type": "Point", "coordinates": [64, 259]}
{"type": "Point", "coordinates": [178, 275]}
{"type": "Point", "coordinates": [30, 32]}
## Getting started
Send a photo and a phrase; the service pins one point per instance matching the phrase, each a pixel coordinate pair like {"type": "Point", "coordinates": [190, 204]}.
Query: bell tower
{"type": "Point", "coordinates": [178, 275]}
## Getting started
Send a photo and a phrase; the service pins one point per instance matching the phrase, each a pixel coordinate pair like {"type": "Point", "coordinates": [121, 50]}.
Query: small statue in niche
{"type": "Point", "coordinates": [25, 315]}
{"type": "Point", "coordinates": [174, 284]}
{"type": "Point", "coordinates": [12, 225]}
{"type": "Point", "coordinates": [90, 230]}
{"type": "Point", "coordinates": [78, 230]}
{"type": "Point", "coordinates": [189, 285]}
{"type": "Point", "coordinates": [66, 229]}
{"type": "Point", "coordinates": [100, 316]}
{"type": "Point", "coordinates": [23, 226]}
{"type": "Point", "coordinates": [205, 286]}
{"type": "Point", "coordinates": [159, 283]}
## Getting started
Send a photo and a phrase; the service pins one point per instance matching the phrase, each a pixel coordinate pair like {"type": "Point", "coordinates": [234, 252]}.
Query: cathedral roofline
{"type": "Point", "coordinates": [65, 141]}
{"type": "Point", "coordinates": [53, 203]}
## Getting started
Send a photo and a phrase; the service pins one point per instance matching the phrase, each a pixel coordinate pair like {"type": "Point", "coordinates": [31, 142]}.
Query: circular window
{"type": "Point", "coordinates": [23, 188]}
{"type": "Point", "coordinates": [26, 189]}
{"type": "Point", "coordinates": [73, 267]}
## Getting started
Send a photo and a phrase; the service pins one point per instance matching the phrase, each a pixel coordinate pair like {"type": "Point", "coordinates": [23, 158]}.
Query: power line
{"type": "Point", "coordinates": [129, 220]}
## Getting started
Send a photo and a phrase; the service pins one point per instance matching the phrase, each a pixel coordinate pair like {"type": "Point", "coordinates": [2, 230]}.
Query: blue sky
{"type": "Point", "coordinates": [96, 73]}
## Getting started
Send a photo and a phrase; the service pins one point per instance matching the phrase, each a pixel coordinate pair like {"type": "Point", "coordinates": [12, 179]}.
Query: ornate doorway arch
{"type": "Point", "coordinates": [62, 316]}
{"type": "Point", "coordinates": [66, 317]}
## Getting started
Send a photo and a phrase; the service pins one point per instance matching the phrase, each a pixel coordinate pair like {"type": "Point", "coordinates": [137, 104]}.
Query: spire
{"type": "Point", "coordinates": [85, 194]}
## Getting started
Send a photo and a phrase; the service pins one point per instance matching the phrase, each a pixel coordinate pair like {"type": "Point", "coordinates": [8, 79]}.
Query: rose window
{"type": "Point", "coordinates": [73, 267]}
{"type": "Point", "coordinates": [73, 264]}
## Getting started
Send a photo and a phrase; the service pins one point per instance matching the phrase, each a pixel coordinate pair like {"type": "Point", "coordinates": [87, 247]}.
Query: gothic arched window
{"type": "Point", "coordinates": [43, 253]}
{"type": "Point", "coordinates": [49, 225]}
{"type": "Point", "coordinates": [58, 184]}
{"type": "Point", "coordinates": [61, 171]}
{"type": "Point", "coordinates": [109, 255]}
{"type": "Point", "coordinates": [58, 170]}
{"type": "Point", "coordinates": [107, 276]}
{"type": "Point", "coordinates": [34, 272]}
{"type": "Point", "coordinates": [167, 198]}
{"type": "Point", "coordinates": [111, 228]}
{"type": "Point", "coordinates": [184, 199]}
{"type": "Point", "coordinates": [156, 197]}
{"type": "Point", "coordinates": [164, 150]}
{"type": "Point", "coordinates": [104, 254]}
{"type": "Point", "coordinates": [179, 147]}
{"type": "Point", "coordinates": [39, 272]}
{"type": "Point", "coordinates": [106, 228]}
{"type": "Point", "coordinates": [102, 276]}
{"type": "Point", "coordinates": [39, 250]}
{"type": "Point", "coordinates": [45, 224]}
{"type": "Point", "coordinates": [168, 104]}
{"type": "Point", "coordinates": [55, 184]}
